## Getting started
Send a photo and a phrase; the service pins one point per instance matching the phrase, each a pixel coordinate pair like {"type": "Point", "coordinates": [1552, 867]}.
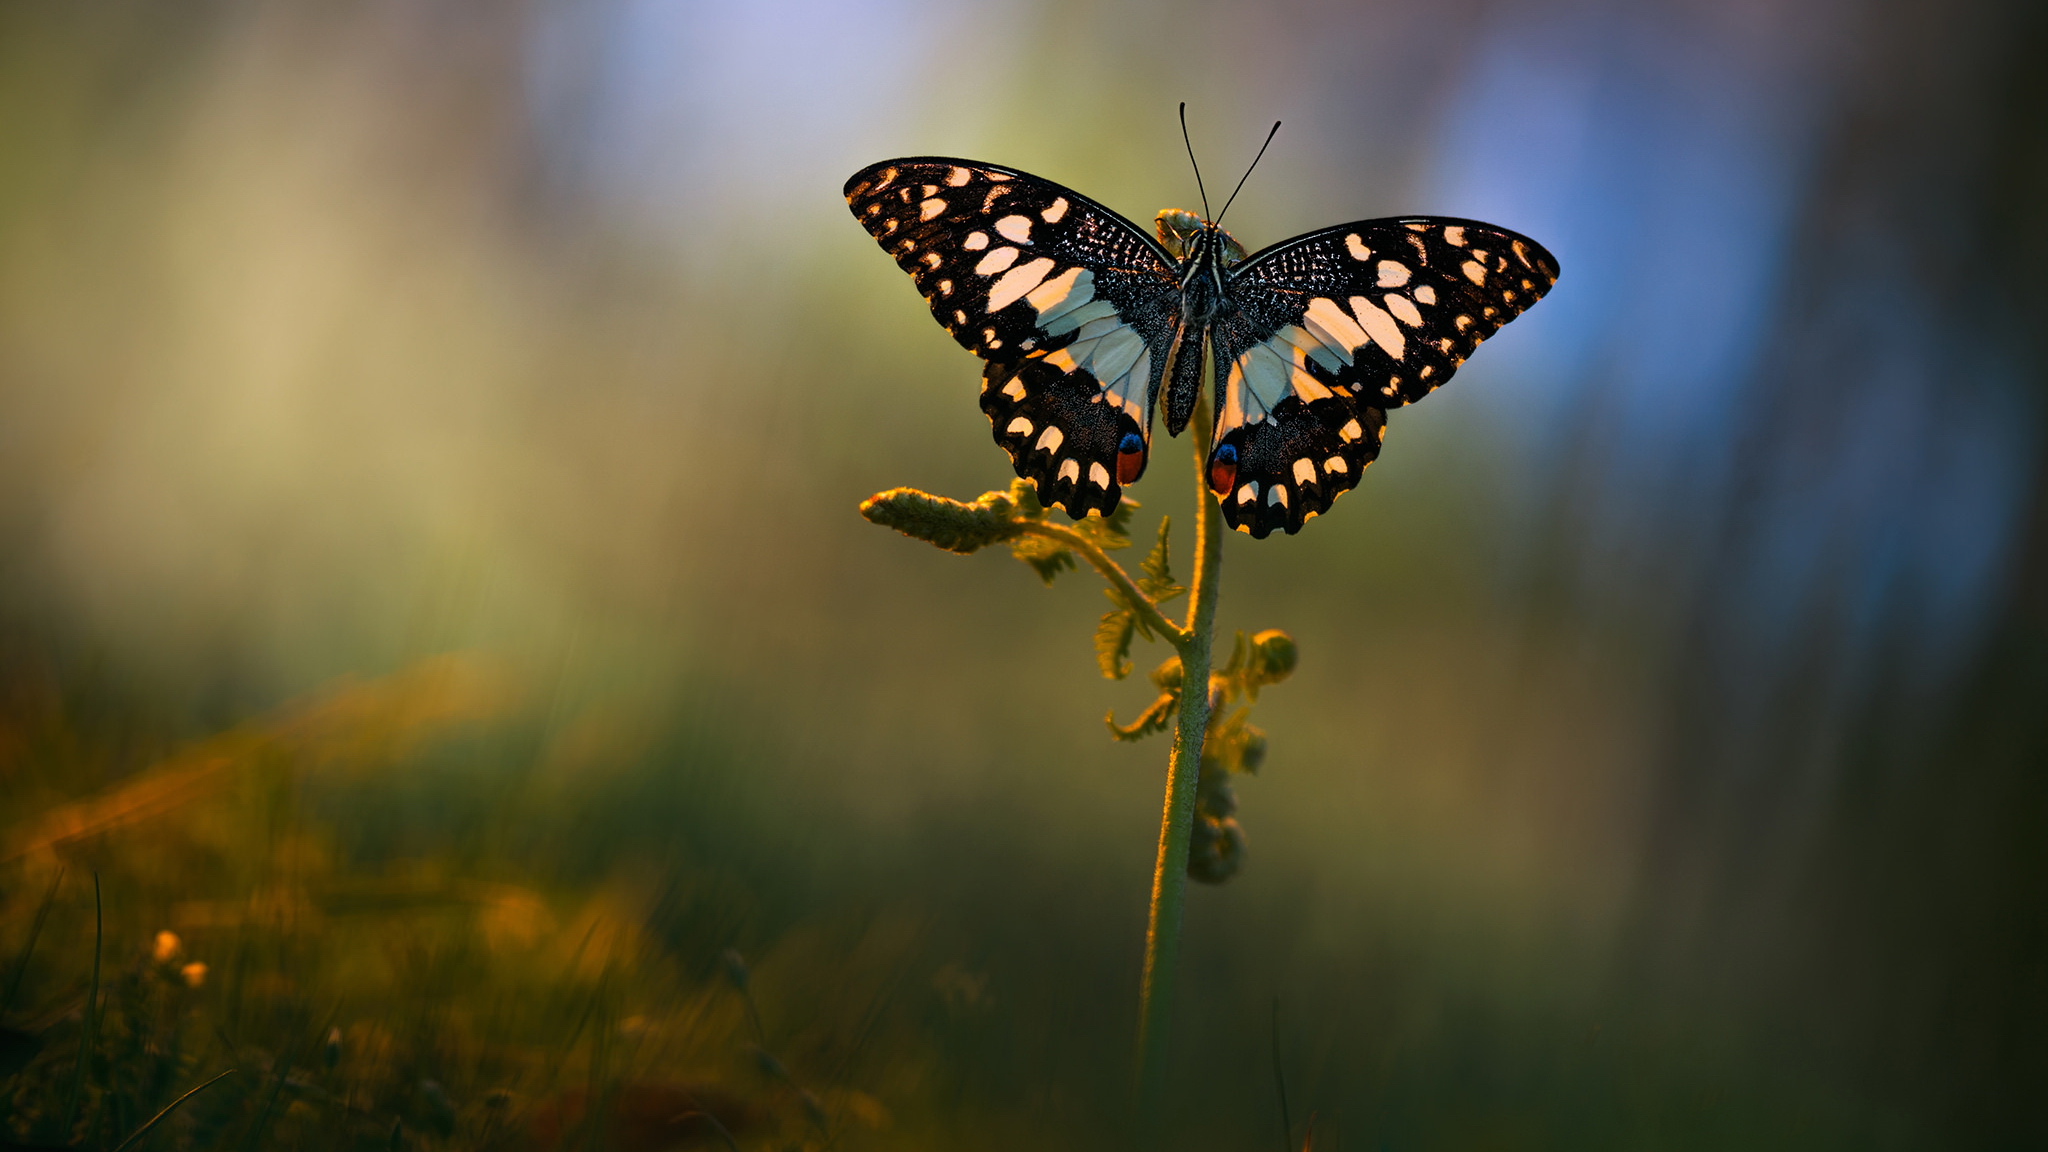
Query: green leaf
{"type": "Point", "coordinates": [948, 524]}
{"type": "Point", "coordinates": [1157, 718]}
{"type": "Point", "coordinates": [1047, 557]}
{"type": "Point", "coordinates": [1126, 604]}
{"type": "Point", "coordinates": [1024, 496]}
{"type": "Point", "coordinates": [1233, 743]}
{"type": "Point", "coordinates": [1157, 581]}
{"type": "Point", "coordinates": [1110, 532]}
{"type": "Point", "coordinates": [1113, 643]}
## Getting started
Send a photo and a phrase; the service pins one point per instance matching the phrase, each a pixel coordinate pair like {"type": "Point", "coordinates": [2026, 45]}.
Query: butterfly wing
{"type": "Point", "coordinates": [1072, 306]}
{"type": "Point", "coordinates": [1333, 328]}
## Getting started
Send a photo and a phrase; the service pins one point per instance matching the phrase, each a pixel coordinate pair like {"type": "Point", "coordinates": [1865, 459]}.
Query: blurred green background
{"type": "Point", "coordinates": [430, 584]}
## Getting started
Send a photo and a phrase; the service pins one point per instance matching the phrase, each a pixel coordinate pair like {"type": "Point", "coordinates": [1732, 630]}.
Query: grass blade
{"type": "Point", "coordinates": [136, 1136]}
{"type": "Point", "coordinates": [1280, 1085]}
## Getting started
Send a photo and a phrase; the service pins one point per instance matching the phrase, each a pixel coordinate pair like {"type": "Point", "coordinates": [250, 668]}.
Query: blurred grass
{"type": "Point", "coordinates": [249, 927]}
{"type": "Point", "coordinates": [504, 918]}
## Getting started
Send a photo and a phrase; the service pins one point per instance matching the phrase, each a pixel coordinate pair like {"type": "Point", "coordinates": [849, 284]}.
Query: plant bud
{"type": "Point", "coordinates": [1217, 849]}
{"type": "Point", "coordinates": [1273, 655]}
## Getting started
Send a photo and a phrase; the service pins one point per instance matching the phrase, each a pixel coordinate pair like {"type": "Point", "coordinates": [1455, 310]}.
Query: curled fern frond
{"type": "Point", "coordinates": [1157, 718]}
{"type": "Point", "coordinates": [1216, 850]}
{"type": "Point", "coordinates": [948, 524]}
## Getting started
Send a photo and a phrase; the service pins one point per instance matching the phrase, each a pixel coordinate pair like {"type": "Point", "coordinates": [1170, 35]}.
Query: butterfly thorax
{"type": "Point", "coordinates": [1205, 253]}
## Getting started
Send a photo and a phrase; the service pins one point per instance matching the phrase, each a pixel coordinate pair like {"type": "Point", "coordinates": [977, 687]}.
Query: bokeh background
{"type": "Point", "coordinates": [430, 582]}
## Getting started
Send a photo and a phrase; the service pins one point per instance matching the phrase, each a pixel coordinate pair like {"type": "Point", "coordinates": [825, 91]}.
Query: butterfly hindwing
{"type": "Point", "coordinates": [1072, 306]}
{"type": "Point", "coordinates": [1333, 328]}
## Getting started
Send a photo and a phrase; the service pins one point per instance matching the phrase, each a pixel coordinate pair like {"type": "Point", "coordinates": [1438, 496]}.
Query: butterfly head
{"type": "Point", "coordinates": [1182, 231]}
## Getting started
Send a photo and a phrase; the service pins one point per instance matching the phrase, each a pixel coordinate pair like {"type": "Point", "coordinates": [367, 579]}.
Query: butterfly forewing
{"type": "Point", "coordinates": [1073, 307]}
{"type": "Point", "coordinates": [1331, 329]}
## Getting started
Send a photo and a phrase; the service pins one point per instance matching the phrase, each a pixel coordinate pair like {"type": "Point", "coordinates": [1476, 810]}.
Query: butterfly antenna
{"type": "Point", "coordinates": [1191, 158]}
{"type": "Point", "coordinates": [1247, 172]}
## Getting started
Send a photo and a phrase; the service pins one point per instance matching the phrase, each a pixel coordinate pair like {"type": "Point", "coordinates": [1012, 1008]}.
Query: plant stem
{"type": "Point", "coordinates": [1184, 769]}
{"type": "Point", "coordinates": [1113, 572]}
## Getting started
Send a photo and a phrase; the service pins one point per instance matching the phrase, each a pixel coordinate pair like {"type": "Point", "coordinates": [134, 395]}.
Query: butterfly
{"type": "Point", "coordinates": [1085, 320]}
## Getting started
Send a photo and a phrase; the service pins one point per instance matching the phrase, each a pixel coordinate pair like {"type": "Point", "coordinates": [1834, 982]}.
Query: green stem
{"type": "Point", "coordinates": [1177, 821]}
{"type": "Point", "coordinates": [1115, 574]}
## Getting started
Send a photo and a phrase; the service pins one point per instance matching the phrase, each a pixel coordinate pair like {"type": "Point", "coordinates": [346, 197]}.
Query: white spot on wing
{"type": "Point", "coordinates": [1455, 236]}
{"type": "Point", "coordinates": [1474, 271]}
{"type": "Point", "coordinates": [1070, 469]}
{"type": "Point", "coordinates": [1350, 431]}
{"type": "Point", "coordinates": [1115, 351]}
{"type": "Point", "coordinates": [1015, 391]}
{"type": "Point", "coordinates": [1327, 322]}
{"type": "Point", "coordinates": [1053, 213]}
{"type": "Point", "coordinates": [1051, 295]}
{"type": "Point", "coordinates": [1313, 348]}
{"type": "Point", "coordinates": [1304, 471]}
{"type": "Point", "coordinates": [1020, 426]}
{"type": "Point", "coordinates": [1357, 248]}
{"type": "Point", "coordinates": [957, 177]}
{"type": "Point", "coordinates": [975, 241]}
{"type": "Point", "coordinates": [1522, 253]}
{"type": "Point", "coordinates": [1393, 274]}
{"type": "Point", "coordinates": [1277, 494]}
{"type": "Point", "coordinates": [1098, 475]}
{"type": "Point", "coordinates": [1076, 311]}
{"type": "Point", "coordinates": [1381, 326]}
{"type": "Point", "coordinates": [930, 209]}
{"type": "Point", "coordinates": [1425, 295]}
{"type": "Point", "coordinates": [1336, 464]}
{"type": "Point", "coordinates": [1403, 309]}
{"type": "Point", "coordinates": [996, 261]}
{"type": "Point", "coordinates": [1051, 439]}
{"type": "Point", "coordinates": [1016, 229]}
{"type": "Point", "coordinates": [1248, 492]}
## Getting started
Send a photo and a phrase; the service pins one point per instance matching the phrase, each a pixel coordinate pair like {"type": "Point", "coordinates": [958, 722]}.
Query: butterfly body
{"type": "Point", "coordinates": [1084, 320]}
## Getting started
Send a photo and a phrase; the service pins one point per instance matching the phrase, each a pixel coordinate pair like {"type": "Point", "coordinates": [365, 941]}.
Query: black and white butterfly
{"type": "Point", "coordinates": [1084, 318]}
